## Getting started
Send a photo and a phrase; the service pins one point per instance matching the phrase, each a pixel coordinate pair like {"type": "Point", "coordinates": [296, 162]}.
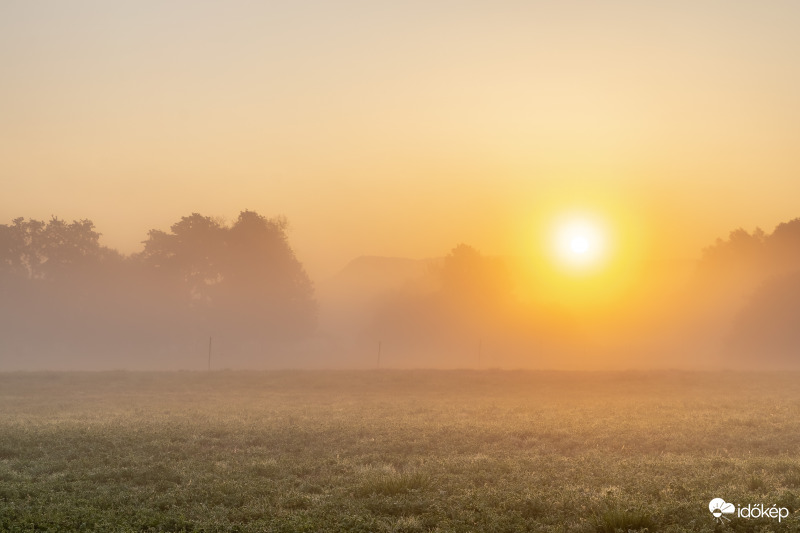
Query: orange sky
{"type": "Point", "coordinates": [403, 128]}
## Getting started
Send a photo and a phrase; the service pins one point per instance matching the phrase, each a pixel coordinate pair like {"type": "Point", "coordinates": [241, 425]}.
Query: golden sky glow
{"type": "Point", "coordinates": [404, 128]}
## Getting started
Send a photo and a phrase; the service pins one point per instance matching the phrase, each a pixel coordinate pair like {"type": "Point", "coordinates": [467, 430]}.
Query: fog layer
{"type": "Point", "coordinates": [211, 295]}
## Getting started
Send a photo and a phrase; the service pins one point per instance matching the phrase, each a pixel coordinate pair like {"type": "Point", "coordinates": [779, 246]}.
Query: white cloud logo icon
{"type": "Point", "coordinates": [718, 507]}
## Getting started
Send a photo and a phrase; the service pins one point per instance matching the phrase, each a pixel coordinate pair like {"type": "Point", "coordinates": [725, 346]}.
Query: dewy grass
{"type": "Point", "coordinates": [426, 451]}
{"type": "Point", "coordinates": [394, 484]}
{"type": "Point", "coordinates": [615, 520]}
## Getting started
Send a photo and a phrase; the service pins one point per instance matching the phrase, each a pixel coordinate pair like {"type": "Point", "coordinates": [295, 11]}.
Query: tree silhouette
{"type": "Point", "coordinates": [57, 285]}
{"type": "Point", "coordinates": [263, 278]}
{"type": "Point", "coordinates": [741, 256]}
{"type": "Point", "coordinates": [62, 293]}
{"type": "Point", "coordinates": [472, 301]}
{"type": "Point", "coordinates": [243, 279]}
{"type": "Point", "coordinates": [760, 276]}
{"type": "Point", "coordinates": [759, 254]}
{"type": "Point", "coordinates": [189, 257]}
{"type": "Point", "coordinates": [470, 278]}
{"type": "Point", "coordinates": [37, 250]}
{"type": "Point", "coordinates": [783, 245]}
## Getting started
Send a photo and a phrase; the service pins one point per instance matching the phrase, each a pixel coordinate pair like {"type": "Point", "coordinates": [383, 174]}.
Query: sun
{"type": "Point", "coordinates": [589, 253]}
{"type": "Point", "coordinates": [579, 242]}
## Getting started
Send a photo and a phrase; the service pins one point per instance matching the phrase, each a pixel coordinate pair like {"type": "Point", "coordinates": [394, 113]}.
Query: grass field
{"type": "Point", "coordinates": [402, 451]}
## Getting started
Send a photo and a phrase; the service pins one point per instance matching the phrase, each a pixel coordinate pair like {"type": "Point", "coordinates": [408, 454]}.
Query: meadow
{"type": "Point", "coordinates": [396, 451]}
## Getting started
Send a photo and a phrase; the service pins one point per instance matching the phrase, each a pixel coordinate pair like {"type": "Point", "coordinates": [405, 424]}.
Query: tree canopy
{"type": "Point", "coordinates": [61, 291]}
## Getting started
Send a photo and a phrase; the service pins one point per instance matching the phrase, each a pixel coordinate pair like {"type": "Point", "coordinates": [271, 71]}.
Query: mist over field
{"type": "Point", "coordinates": [209, 294]}
{"type": "Point", "coordinates": [399, 266]}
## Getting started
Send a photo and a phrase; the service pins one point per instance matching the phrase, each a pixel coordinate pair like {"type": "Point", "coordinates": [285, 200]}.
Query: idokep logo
{"type": "Point", "coordinates": [720, 507]}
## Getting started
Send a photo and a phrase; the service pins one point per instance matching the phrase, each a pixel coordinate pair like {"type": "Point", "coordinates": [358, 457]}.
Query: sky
{"type": "Point", "coordinates": [404, 128]}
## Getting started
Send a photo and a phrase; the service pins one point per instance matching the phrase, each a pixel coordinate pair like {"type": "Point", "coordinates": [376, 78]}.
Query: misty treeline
{"type": "Point", "coordinates": [65, 295]}
{"type": "Point", "coordinates": [758, 276]}
{"type": "Point", "coordinates": [468, 313]}
{"type": "Point", "coordinates": [740, 308]}
{"type": "Point", "coordinates": [66, 301]}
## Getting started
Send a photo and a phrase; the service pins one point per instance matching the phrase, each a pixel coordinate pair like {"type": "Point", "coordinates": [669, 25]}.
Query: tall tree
{"type": "Point", "coordinates": [263, 278]}
{"type": "Point", "coordinates": [190, 256]}
{"type": "Point", "coordinates": [244, 278]}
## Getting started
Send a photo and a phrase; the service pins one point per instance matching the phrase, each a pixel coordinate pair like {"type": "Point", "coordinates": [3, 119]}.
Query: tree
{"type": "Point", "coordinates": [39, 250]}
{"type": "Point", "coordinates": [63, 294]}
{"type": "Point", "coordinates": [244, 278]}
{"type": "Point", "coordinates": [755, 254]}
{"type": "Point", "coordinates": [783, 246]}
{"type": "Point", "coordinates": [57, 286]}
{"type": "Point", "coordinates": [741, 254]}
{"type": "Point", "coordinates": [264, 279]}
{"type": "Point", "coordinates": [756, 278]}
{"type": "Point", "coordinates": [189, 258]}
{"type": "Point", "coordinates": [473, 299]}
{"type": "Point", "coordinates": [468, 277]}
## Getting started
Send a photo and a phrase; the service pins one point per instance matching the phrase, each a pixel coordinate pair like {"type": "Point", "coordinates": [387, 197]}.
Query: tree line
{"type": "Point", "coordinates": [765, 268]}
{"type": "Point", "coordinates": [63, 293]}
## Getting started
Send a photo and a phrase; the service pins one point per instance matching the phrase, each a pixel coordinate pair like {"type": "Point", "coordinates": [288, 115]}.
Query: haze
{"type": "Point", "coordinates": [388, 134]}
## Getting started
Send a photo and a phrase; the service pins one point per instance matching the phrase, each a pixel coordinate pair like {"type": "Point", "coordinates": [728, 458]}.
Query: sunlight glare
{"type": "Point", "coordinates": [580, 242]}
{"type": "Point", "coordinates": [579, 245]}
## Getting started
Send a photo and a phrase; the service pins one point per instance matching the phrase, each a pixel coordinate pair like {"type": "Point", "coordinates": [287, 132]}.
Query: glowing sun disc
{"type": "Point", "coordinates": [579, 242]}
{"type": "Point", "coordinates": [579, 245]}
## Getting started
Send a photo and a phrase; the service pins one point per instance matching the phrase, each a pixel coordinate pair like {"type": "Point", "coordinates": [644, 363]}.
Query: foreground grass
{"type": "Point", "coordinates": [399, 451]}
